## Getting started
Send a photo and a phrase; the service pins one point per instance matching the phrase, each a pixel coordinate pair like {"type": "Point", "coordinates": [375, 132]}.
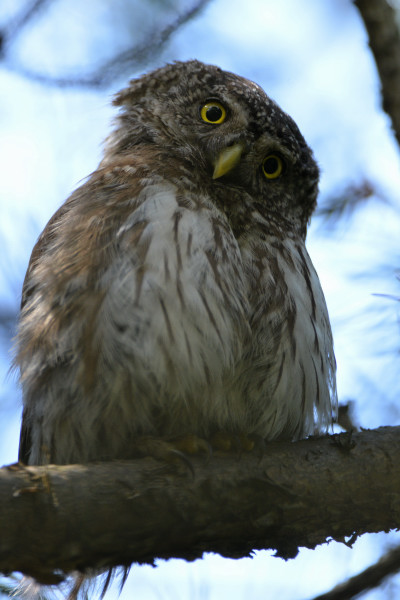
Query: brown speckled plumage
{"type": "Point", "coordinates": [160, 301]}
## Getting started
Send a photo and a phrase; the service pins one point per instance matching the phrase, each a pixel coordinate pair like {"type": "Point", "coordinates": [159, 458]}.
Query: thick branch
{"type": "Point", "coordinates": [384, 39]}
{"type": "Point", "coordinates": [61, 518]}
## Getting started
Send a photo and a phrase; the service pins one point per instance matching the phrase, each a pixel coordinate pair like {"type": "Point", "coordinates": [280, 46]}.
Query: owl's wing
{"type": "Point", "coordinates": [28, 290]}
{"type": "Point", "coordinates": [38, 250]}
{"type": "Point", "coordinates": [25, 437]}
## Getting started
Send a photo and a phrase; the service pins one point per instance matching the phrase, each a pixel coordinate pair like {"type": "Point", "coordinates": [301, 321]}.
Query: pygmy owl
{"type": "Point", "coordinates": [172, 293]}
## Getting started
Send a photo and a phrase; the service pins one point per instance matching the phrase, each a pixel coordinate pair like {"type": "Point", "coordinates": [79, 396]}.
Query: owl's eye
{"type": "Point", "coordinates": [272, 166]}
{"type": "Point", "coordinates": [213, 112]}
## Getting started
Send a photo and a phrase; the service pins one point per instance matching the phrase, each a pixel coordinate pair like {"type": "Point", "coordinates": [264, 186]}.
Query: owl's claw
{"type": "Point", "coordinates": [191, 444]}
{"type": "Point", "coordinates": [173, 453]}
{"type": "Point", "coordinates": [174, 450]}
{"type": "Point", "coordinates": [181, 448]}
{"type": "Point", "coordinates": [219, 442]}
{"type": "Point", "coordinates": [228, 442]}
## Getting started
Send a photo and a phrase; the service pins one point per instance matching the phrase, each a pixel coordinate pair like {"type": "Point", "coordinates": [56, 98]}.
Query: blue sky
{"type": "Point", "coordinates": [312, 58]}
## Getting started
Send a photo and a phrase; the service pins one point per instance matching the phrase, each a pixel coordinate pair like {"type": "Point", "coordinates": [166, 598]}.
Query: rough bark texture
{"type": "Point", "coordinates": [384, 39]}
{"type": "Point", "coordinates": [60, 518]}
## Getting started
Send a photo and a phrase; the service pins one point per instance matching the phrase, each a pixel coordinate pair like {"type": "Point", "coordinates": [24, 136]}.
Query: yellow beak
{"type": "Point", "coordinates": [227, 159]}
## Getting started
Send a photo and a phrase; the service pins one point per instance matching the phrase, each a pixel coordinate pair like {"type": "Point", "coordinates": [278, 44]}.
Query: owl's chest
{"type": "Point", "coordinates": [177, 293]}
{"type": "Point", "coordinates": [191, 312]}
{"type": "Point", "coordinates": [184, 280]}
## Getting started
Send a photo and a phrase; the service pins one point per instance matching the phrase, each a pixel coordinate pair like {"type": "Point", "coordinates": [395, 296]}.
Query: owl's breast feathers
{"type": "Point", "coordinates": [143, 311]}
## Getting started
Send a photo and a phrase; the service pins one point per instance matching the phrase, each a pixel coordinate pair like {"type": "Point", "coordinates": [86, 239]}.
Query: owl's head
{"type": "Point", "coordinates": [227, 132]}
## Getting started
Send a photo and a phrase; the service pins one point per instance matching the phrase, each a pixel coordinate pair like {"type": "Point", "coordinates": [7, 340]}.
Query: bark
{"type": "Point", "coordinates": [384, 39]}
{"type": "Point", "coordinates": [56, 519]}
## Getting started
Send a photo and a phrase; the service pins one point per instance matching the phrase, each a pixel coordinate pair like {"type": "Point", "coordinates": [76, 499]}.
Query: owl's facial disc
{"type": "Point", "coordinates": [227, 159]}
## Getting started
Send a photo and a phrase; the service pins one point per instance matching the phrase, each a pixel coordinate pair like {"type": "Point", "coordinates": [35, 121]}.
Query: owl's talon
{"type": "Point", "coordinates": [185, 459]}
{"type": "Point", "coordinates": [175, 450]}
{"type": "Point", "coordinates": [247, 444]}
{"type": "Point", "coordinates": [222, 441]}
{"type": "Point", "coordinates": [191, 444]}
{"type": "Point", "coordinates": [228, 442]}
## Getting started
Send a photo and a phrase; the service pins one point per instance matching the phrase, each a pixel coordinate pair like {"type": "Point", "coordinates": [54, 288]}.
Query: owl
{"type": "Point", "coordinates": [171, 296]}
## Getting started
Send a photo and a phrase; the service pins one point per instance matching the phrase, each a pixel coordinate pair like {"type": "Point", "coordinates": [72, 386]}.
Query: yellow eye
{"type": "Point", "coordinates": [213, 112]}
{"type": "Point", "coordinates": [272, 166]}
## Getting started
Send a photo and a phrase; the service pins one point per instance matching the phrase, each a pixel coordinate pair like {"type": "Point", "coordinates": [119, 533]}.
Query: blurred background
{"type": "Point", "coordinates": [61, 61]}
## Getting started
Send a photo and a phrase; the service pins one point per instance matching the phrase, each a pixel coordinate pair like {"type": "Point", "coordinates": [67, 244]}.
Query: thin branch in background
{"type": "Point", "coordinates": [384, 39]}
{"type": "Point", "coordinates": [390, 296]}
{"type": "Point", "coordinates": [345, 203]}
{"type": "Point", "coordinates": [20, 21]}
{"type": "Point", "coordinates": [144, 53]}
{"type": "Point", "coordinates": [132, 59]}
{"type": "Point", "coordinates": [371, 578]}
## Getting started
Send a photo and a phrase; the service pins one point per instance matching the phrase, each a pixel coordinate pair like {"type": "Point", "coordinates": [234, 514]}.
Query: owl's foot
{"type": "Point", "coordinates": [178, 450]}
{"type": "Point", "coordinates": [175, 450]}
{"type": "Point", "coordinates": [191, 444]}
{"type": "Point", "coordinates": [237, 443]}
{"type": "Point", "coordinates": [221, 441]}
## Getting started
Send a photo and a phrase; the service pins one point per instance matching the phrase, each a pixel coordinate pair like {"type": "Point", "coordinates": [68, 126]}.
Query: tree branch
{"type": "Point", "coordinates": [370, 578]}
{"type": "Point", "coordinates": [131, 59]}
{"type": "Point", "coordinates": [384, 39]}
{"type": "Point", "coordinates": [22, 19]}
{"type": "Point", "coordinates": [107, 514]}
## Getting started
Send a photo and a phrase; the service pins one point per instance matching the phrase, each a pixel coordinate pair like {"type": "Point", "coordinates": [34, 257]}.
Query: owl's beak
{"type": "Point", "coordinates": [227, 159]}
